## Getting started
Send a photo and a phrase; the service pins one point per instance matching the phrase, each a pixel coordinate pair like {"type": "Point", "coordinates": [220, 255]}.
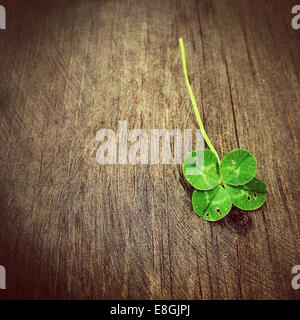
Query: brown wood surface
{"type": "Point", "coordinates": [71, 228]}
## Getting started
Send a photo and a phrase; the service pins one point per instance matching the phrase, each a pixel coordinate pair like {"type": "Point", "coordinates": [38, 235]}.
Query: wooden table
{"type": "Point", "coordinates": [72, 228]}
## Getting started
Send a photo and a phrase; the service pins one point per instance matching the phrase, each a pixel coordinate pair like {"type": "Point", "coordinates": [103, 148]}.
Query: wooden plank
{"type": "Point", "coordinates": [72, 228]}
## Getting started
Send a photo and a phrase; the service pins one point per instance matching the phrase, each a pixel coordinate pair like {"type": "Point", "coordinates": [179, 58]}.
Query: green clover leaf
{"type": "Point", "coordinates": [250, 196]}
{"type": "Point", "coordinates": [219, 184]}
{"type": "Point", "coordinates": [211, 205]}
{"type": "Point", "coordinates": [237, 167]}
{"type": "Point", "coordinates": [200, 169]}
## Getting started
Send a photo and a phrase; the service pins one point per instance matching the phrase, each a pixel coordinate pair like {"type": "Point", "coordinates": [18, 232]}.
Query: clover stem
{"type": "Point", "coordinates": [194, 103]}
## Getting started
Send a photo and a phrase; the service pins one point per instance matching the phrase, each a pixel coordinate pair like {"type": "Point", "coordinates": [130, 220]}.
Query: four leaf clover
{"type": "Point", "coordinates": [218, 186]}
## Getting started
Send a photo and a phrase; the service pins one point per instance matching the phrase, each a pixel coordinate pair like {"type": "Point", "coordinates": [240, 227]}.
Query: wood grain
{"type": "Point", "coordinates": [71, 228]}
